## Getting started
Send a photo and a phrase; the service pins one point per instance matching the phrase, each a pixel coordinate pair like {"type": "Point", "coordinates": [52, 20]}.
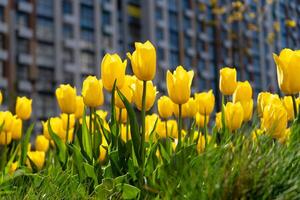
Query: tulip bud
{"type": "Point", "coordinates": [102, 154]}
{"type": "Point", "coordinates": [13, 167]}
{"type": "Point", "coordinates": [6, 118]}
{"type": "Point", "coordinates": [201, 120]}
{"type": "Point", "coordinates": [201, 143]}
{"type": "Point", "coordinates": [23, 108]}
{"type": "Point", "coordinates": [165, 107]}
{"type": "Point", "coordinates": [79, 107]}
{"type": "Point", "coordinates": [150, 125]}
{"type": "Point", "coordinates": [274, 120]}
{"type": "Point", "coordinates": [288, 105]}
{"type": "Point", "coordinates": [66, 98]}
{"type": "Point", "coordinates": [102, 114]}
{"type": "Point", "coordinates": [57, 126]}
{"type": "Point", "coordinates": [16, 129]}
{"type": "Point", "coordinates": [188, 109]}
{"type": "Point", "coordinates": [41, 143]}
{"type": "Point", "coordinates": [143, 61]}
{"type": "Point", "coordinates": [112, 68]}
{"type": "Point", "coordinates": [228, 81]}
{"type": "Point", "coordinates": [205, 102]}
{"type": "Point", "coordinates": [138, 94]}
{"type": "Point", "coordinates": [92, 92]}
{"type": "Point", "coordinates": [172, 128]}
{"type": "Point", "coordinates": [5, 138]}
{"type": "Point", "coordinates": [234, 115]}
{"type": "Point", "coordinates": [288, 68]}
{"type": "Point", "coordinates": [179, 85]}
{"type": "Point", "coordinates": [264, 99]}
{"type": "Point", "coordinates": [37, 157]}
{"type": "Point", "coordinates": [243, 92]}
{"type": "Point", "coordinates": [248, 109]}
{"type": "Point", "coordinates": [126, 90]}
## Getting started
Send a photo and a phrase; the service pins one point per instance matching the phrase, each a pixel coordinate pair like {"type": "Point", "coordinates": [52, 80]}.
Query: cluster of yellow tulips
{"type": "Point", "coordinates": [82, 112]}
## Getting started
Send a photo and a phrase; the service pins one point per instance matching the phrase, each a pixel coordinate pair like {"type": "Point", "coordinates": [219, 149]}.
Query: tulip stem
{"type": "Point", "coordinates": [294, 106]}
{"type": "Point", "coordinates": [68, 124]}
{"type": "Point", "coordinates": [143, 120]}
{"type": "Point", "coordinates": [166, 126]}
{"type": "Point", "coordinates": [179, 126]}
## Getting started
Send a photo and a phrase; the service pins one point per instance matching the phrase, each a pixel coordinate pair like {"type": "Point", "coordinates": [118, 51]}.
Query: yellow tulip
{"type": "Point", "coordinates": [125, 133]}
{"type": "Point", "coordinates": [161, 129]}
{"type": "Point", "coordinates": [5, 138]}
{"type": "Point", "coordinates": [79, 107]}
{"type": "Point", "coordinates": [165, 107]}
{"type": "Point", "coordinates": [234, 115]}
{"type": "Point", "coordinates": [1, 98]}
{"type": "Point", "coordinates": [143, 61]}
{"type": "Point", "coordinates": [92, 92]}
{"type": "Point", "coordinates": [64, 119]}
{"type": "Point", "coordinates": [264, 99]}
{"type": "Point", "coordinates": [102, 114]}
{"type": "Point", "coordinates": [200, 120]}
{"type": "Point", "coordinates": [274, 120]}
{"type": "Point", "coordinates": [123, 115]}
{"type": "Point", "coordinates": [112, 68]}
{"type": "Point", "coordinates": [288, 69]}
{"type": "Point", "coordinates": [103, 153]}
{"type": "Point", "coordinates": [219, 120]}
{"type": "Point", "coordinates": [188, 109]}
{"type": "Point", "coordinates": [23, 108]}
{"type": "Point", "coordinates": [41, 143]}
{"type": "Point", "coordinates": [57, 126]}
{"type": "Point", "coordinates": [248, 109]}
{"type": "Point", "coordinates": [243, 92]}
{"type": "Point", "coordinates": [179, 85]}
{"type": "Point", "coordinates": [126, 90]}
{"type": "Point", "coordinates": [37, 157]}
{"type": "Point", "coordinates": [66, 98]}
{"type": "Point", "coordinates": [285, 137]}
{"type": "Point", "coordinates": [16, 129]}
{"type": "Point", "coordinates": [228, 81]}
{"type": "Point", "coordinates": [205, 102]}
{"type": "Point", "coordinates": [287, 102]}
{"type": "Point", "coordinates": [256, 133]}
{"type": "Point", "coordinates": [138, 93]}
{"type": "Point", "coordinates": [6, 118]}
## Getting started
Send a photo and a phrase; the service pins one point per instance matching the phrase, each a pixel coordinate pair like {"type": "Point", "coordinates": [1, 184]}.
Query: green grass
{"type": "Point", "coordinates": [264, 169]}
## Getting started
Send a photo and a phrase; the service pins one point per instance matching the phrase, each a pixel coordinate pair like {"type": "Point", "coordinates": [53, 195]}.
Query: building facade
{"type": "Point", "coordinates": [48, 42]}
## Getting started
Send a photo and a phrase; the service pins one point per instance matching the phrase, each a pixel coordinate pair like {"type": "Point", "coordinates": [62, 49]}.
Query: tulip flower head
{"type": "Point", "coordinates": [202, 120]}
{"type": "Point", "coordinates": [243, 92]}
{"type": "Point", "coordinates": [92, 92]}
{"type": "Point", "coordinates": [79, 107]}
{"type": "Point", "coordinates": [113, 69]}
{"type": "Point", "coordinates": [234, 115]}
{"type": "Point", "coordinates": [138, 94]}
{"type": "Point", "coordinates": [143, 61]}
{"type": "Point", "coordinates": [179, 85]}
{"type": "Point", "coordinates": [66, 98]}
{"type": "Point", "coordinates": [23, 108]}
{"type": "Point", "coordinates": [41, 143]}
{"type": "Point", "coordinates": [205, 102]}
{"type": "Point", "coordinates": [227, 83]}
{"type": "Point", "coordinates": [16, 129]}
{"type": "Point", "coordinates": [165, 107]}
{"type": "Point", "coordinates": [288, 70]}
{"type": "Point", "coordinates": [126, 90]}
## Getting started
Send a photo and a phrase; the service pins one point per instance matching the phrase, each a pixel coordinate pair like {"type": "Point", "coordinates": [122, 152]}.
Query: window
{"type": "Point", "coordinates": [159, 34]}
{"type": "Point", "coordinates": [174, 58]}
{"type": "Point", "coordinates": [23, 46]}
{"type": "Point", "coordinates": [45, 51]}
{"type": "Point", "coordinates": [186, 4]}
{"type": "Point", "coordinates": [106, 18]}
{"type": "Point", "coordinates": [173, 21]}
{"type": "Point", "coordinates": [22, 72]}
{"type": "Point", "coordinates": [174, 40]}
{"type": "Point", "coordinates": [68, 31]}
{"type": "Point", "coordinates": [87, 35]}
{"type": "Point", "coordinates": [187, 23]}
{"type": "Point", "coordinates": [86, 16]}
{"type": "Point", "coordinates": [1, 41]}
{"type": "Point", "coordinates": [107, 41]}
{"type": "Point", "coordinates": [46, 78]}
{"type": "Point", "coordinates": [22, 19]}
{"type": "Point", "coordinates": [67, 7]}
{"type": "Point", "coordinates": [1, 13]}
{"type": "Point", "coordinates": [160, 53]}
{"type": "Point", "coordinates": [68, 56]}
{"type": "Point", "coordinates": [158, 14]}
{"type": "Point", "coordinates": [45, 7]}
{"type": "Point", "coordinates": [45, 28]}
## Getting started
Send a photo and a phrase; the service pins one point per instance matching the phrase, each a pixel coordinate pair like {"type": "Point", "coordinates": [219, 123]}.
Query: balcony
{"type": "Point", "coordinates": [87, 45]}
{"type": "Point", "coordinates": [70, 19]}
{"type": "Point", "coordinates": [45, 62]}
{"type": "Point", "coordinates": [26, 59]}
{"type": "Point", "coordinates": [25, 7]}
{"type": "Point", "coordinates": [3, 27]}
{"type": "Point", "coordinates": [25, 32]}
{"type": "Point", "coordinates": [3, 82]}
{"type": "Point", "coordinates": [3, 2]}
{"type": "Point", "coordinates": [70, 67]}
{"type": "Point", "coordinates": [108, 29]}
{"type": "Point", "coordinates": [107, 6]}
{"type": "Point", "coordinates": [70, 43]}
{"type": "Point", "coordinates": [3, 54]}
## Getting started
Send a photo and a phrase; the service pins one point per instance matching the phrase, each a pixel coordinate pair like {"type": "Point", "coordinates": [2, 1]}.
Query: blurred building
{"type": "Point", "coordinates": [48, 42]}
